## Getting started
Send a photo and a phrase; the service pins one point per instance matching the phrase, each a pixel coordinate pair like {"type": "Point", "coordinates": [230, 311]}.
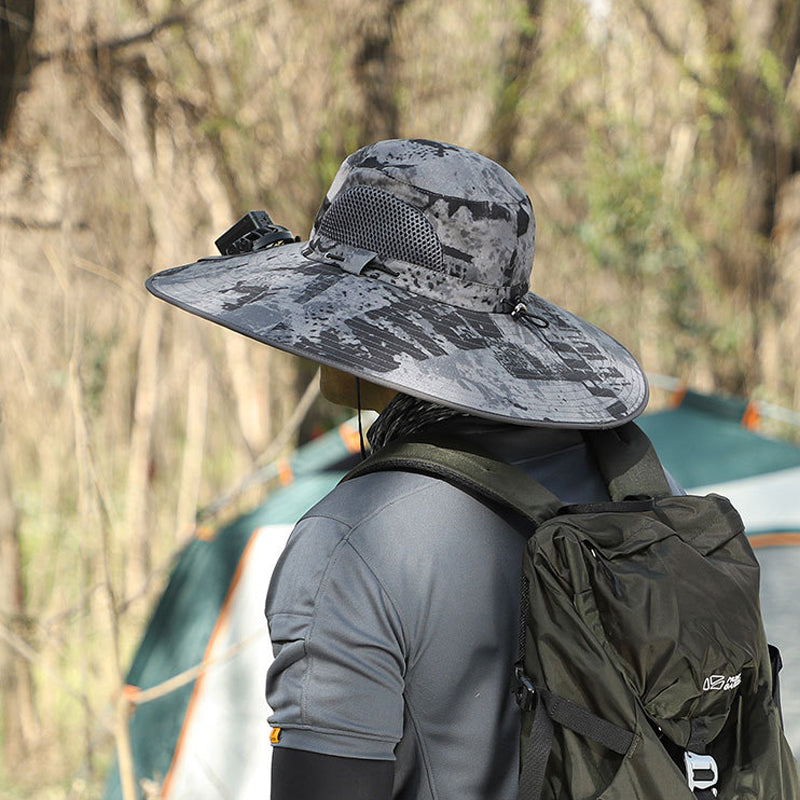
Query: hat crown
{"type": "Point", "coordinates": [435, 205]}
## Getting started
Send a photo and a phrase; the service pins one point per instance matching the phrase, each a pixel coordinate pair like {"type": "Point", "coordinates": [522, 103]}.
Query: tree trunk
{"type": "Point", "coordinates": [16, 28]}
{"type": "Point", "coordinates": [375, 74]}
{"type": "Point", "coordinates": [516, 72]}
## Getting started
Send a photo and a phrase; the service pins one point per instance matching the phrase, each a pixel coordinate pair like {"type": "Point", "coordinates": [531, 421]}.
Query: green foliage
{"type": "Point", "coordinates": [773, 75]}
{"type": "Point", "coordinates": [213, 126]}
{"type": "Point", "coordinates": [634, 224]}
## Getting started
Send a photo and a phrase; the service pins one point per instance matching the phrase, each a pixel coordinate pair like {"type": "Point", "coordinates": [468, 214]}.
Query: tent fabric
{"type": "Point", "coordinates": [780, 568]}
{"type": "Point", "coordinates": [229, 696]}
{"type": "Point", "coordinates": [767, 502]}
{"type": "Point", "coordinates": [703, 442]}
{"type": "Point", "coordinates": [210, 738]}
{"type": "Point", "coordinates": [176, 640]}
{"type": "Point", "coordinates": [213, 575]}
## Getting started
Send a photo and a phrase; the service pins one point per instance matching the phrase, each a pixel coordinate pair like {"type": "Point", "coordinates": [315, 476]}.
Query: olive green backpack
{"type": "Point", "coordinates": [644, 672]}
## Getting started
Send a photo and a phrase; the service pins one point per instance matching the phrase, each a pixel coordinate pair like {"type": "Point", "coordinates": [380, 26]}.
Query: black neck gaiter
{"type": "Point", "coordinates": [406, 415]}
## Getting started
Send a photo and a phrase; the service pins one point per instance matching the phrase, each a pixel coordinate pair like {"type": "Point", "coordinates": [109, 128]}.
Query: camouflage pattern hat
{"type": "Point", "coordinates": [416, 277]}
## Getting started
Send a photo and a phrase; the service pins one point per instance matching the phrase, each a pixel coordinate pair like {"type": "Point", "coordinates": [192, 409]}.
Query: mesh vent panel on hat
{"type": "Point", "coordinates": [374, 220]}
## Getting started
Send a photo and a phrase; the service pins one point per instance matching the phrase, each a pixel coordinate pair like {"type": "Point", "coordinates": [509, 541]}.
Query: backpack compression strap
{"type": "Point", "coordinates": [477, 474]}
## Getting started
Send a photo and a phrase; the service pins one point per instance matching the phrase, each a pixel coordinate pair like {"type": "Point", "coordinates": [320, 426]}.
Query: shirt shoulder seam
{"type": "Point", "coordinates": [353, 524]}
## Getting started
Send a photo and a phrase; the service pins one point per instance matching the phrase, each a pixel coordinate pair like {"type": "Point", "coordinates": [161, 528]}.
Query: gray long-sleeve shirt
{"type": "Point", "coordinates": [394, 615]}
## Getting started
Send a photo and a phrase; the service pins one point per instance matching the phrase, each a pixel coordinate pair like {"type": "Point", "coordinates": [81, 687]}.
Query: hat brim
{"type": "Point", "coordinates": [567, 374]}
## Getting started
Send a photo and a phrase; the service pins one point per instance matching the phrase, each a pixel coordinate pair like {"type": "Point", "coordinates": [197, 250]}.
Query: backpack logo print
{"type": "Point", "coordinates": [721, 683]}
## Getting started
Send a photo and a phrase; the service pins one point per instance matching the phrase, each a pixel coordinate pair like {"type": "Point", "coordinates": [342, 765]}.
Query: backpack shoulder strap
{"type": "Point", "coordinates": [628, 462]}
{"type": "Point", "coordinates": [473, 472]}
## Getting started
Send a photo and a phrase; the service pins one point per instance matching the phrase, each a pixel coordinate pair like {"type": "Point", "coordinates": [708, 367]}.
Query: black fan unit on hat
{"type": "Point", "coordinates": [254, 231]}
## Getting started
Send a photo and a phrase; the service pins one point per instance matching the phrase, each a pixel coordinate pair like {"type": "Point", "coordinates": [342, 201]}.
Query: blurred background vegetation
{"type": "Point", "coordinates": [658, 141]}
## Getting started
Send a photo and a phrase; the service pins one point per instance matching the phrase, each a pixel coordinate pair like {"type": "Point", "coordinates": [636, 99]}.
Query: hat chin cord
{"type": "Point", "coordinates": [360, 426]}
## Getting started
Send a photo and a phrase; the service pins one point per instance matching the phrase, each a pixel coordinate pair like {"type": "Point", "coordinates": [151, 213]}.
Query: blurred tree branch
{"type": "Point", "coordinates": [669, 47]}
{"type": "Point", "coordinates": [181, 18]}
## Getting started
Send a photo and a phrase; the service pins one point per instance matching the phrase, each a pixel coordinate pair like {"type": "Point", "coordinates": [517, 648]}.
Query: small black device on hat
{"type": "Point", "coordinates": [254, 231]}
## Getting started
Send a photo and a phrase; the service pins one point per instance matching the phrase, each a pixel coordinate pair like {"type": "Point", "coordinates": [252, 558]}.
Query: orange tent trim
{"type": "Point", "coordinates": [783, 539]}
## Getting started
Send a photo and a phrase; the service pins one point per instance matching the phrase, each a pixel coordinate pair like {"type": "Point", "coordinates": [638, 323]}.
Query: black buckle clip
{"type": "Point", "coordinates": [524, 691]}
{"type": "Point", "coordinates": [254, 231]}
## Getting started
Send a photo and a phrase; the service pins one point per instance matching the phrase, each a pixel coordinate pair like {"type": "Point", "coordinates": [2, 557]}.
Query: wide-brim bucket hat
{"type": "Point", "coordinates": [416, 276]}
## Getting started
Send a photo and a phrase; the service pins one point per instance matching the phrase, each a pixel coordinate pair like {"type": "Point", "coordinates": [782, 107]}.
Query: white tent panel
{"type": "Point", "coordinates": [769, 502]}
{"type": "Point", "coordinates": [224, 750]}
{"type": "Point", "coordinates": [780, 574]}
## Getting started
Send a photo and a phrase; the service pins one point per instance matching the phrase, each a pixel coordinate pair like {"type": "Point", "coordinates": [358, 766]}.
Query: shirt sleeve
{"type": "Point", "coordinates": [336, 684]}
